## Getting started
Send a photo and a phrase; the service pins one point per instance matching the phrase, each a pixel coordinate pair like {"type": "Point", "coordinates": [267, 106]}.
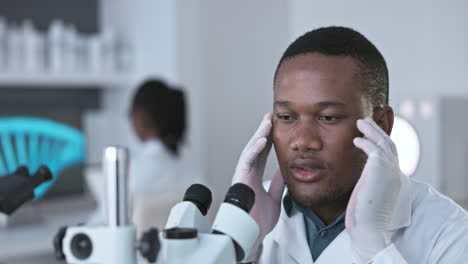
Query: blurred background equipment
{"type": "Point", "coordinates": [32, 141]}
{"type": "Point", "coordinates": [18, 187]}
{"type": "Point", "coordinates": [408, 146]}
{"type": "Point", "coordinates": [61, 48]}
{"type": "Point", "coordinates": [57, 62]}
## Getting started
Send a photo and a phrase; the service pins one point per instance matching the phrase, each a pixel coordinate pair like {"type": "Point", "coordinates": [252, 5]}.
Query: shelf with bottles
{"type": "Point", "coordinates": [61, 56]}
{"type": "Point", "coordinates": [64, 80]}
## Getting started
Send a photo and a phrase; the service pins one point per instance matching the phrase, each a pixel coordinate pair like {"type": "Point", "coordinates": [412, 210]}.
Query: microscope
{"type": "Point", "coordinates": [110, 243]}
{"type": "Point", "coordinates": [187, 237]}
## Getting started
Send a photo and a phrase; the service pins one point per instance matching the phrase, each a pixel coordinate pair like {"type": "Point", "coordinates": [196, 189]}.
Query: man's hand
{"type": "Point", "coordinates": [374, 198]}
{"type": "Point", "coordinates": [250, 170]}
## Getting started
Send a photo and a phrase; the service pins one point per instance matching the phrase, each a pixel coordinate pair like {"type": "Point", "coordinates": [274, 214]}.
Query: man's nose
{"type": "Point", "coordinates": [305, 137]}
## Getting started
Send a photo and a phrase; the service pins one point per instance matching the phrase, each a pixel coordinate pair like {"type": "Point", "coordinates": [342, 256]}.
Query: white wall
{"type": "Point", "coordinates": [189, 72]}
{"type": "Point", "coordinates": [424, 43]}
{"type": "Point", "coordinates": [241, 42]}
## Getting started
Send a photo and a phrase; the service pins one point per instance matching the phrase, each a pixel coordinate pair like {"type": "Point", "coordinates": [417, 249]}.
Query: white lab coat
{"type": "Point", "coordinates": [153, 169]}
{"type": "Point", "coordinates": [427, 228]}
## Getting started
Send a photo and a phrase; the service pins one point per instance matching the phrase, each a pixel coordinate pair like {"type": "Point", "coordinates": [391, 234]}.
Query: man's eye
{"type": "Point", "coordinates": [284, 117]}
{"type": "Point", "coordinates": [329, 118]}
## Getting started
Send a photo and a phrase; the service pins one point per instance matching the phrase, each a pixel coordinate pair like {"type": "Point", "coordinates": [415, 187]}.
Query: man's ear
{"type": "Point", "coordinates": [384, 116]}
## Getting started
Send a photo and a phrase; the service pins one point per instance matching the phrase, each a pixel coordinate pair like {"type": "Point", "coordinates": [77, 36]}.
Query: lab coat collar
{"type": "Point", "coordinates": [153, 144]}
{"type": "Point", "coordinates": [147, 147]}
{"type": "Point", "coordinates": [295, 243]}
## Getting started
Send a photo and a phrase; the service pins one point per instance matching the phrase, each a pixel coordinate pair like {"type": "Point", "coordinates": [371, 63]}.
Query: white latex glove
{"type": "Point", "coordinates": [374, 198]}
{"type": "Point", "coordinates": [250, 170]}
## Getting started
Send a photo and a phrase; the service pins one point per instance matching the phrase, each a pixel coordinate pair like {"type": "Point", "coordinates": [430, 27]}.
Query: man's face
{"type": "Point", "coordinates": [317, 100]}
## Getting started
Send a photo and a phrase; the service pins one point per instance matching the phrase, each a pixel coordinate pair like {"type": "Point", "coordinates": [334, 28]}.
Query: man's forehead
{"type": "Point", "coordinates": [319, 93]}
{"type": "Point", "coordinates": [301, 67]}
{"type": "Point", "coordinates": [322, 104]}
{"type": "Point", "coordinates": [315, 78]}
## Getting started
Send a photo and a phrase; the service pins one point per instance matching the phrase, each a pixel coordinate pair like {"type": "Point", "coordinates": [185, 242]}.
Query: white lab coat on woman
{"type": "Point", "coordinates": [158, 180]}
{"type": "Point", "coordinates": [153, 169]}
{"type": "Point", "coordinates": [427, 228]}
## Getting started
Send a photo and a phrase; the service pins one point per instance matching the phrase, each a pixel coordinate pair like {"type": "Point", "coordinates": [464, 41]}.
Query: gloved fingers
{"type": "Point", "coordinates": [371, 122]}
{"type": "Point", "coordinates": [251, 154]}
{"type": "Point", "coordinates": [255, 147]}
{"type": "Point", "coordinates": [263, 129]}
{"type": "Point", "coordinates": [385, 135]}
{"type": "Point", "coordinates": [247, 158]}
{"type": "Point", "coordinates": [277, 186]}
{"type": "Point", "coordinates": [375, 134]}
{"type": "Point", "coordinates": [366, 145]}
{"type": "Point", "coordinates": [263, 156]}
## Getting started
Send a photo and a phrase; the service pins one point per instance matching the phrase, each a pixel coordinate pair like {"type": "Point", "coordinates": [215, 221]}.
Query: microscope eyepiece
{"type": "Point", "coordinates": [241, 196]}
{"type": "Point", "coordinates": [42, 175]}
{"type": "Point", "coordinates": [18, 188]}
{"type": "Point", "coordinates": [22, 171]}
{"type": "Point", "coordinates": [180, 233]}
{"type": "Point", "coordinates": [200, 195]}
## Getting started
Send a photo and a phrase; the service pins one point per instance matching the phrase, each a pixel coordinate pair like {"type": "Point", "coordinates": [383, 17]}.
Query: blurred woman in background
{"type": "Point", "coordinates": [158, 173]}
{"type": "Point", "coordinates": [158, 115]}
{"type": "Point", "coordinates": [157, 176]}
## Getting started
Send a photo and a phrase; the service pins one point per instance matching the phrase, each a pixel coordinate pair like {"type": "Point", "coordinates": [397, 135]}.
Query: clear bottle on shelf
{"type": "Point", "coordinates": [33, 55]}
{"type": "Point", "coordinates": [55, 47]}
{"type": "Point", "coordinates": [3, 36]}
{"type": "Point", "coordinates": [14, 49]}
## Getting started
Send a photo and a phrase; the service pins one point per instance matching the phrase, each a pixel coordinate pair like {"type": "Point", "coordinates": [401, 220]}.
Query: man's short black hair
{"type": "Point", "coordinates": [343, 41]}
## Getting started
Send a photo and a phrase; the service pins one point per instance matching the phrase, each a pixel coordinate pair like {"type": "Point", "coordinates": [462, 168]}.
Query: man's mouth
{"type": "Point", "coordinates": [307, 170]}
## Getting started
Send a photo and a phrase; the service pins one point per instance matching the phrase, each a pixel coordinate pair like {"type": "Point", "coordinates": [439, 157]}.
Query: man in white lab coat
{"type": "Point", "coordinates": [347, 200]}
